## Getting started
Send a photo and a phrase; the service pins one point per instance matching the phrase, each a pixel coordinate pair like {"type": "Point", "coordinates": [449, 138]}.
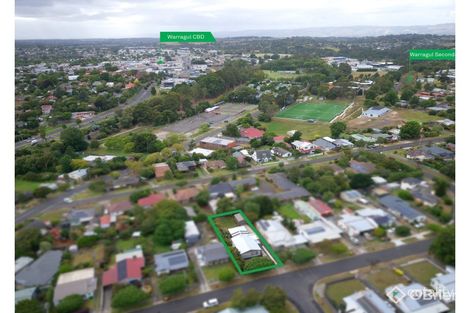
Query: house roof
{"type": "Point", "coordinates": [186, 194]}
{"type": "Point", "coordinates": [118, 207]}
{"type": "Point", "coordinates": [41, 271]}
{"type": "Point", "coordinates": [358, 223]}
{"type": "Point", "coordinates": [161, 169]}
{"type": "Point", "coordinates": [279, 138]}
{"type": "Point", "coordinates": [25, 294]}
{"type": "Point", "coordinates": [127, 269]}
{"type": "Point", "coordinates": [171, 261]}
{"type": "Point", "coordinates": [151, 200]}
{"type": "Point", "coordinates": [130, 254]}
{"type": "Point", "coordinates": [220, 188]}
{"type": "Point", "coordinates": [320, 206]}
{"type": "Point", "coordinates": [263, 154]}
{"type": "Point", "coordinates": [362, 167]}
{"type": "Point", "coordinates": [190, 229]}
{"type": "Point", "coordinates": [324, 144]}
{"type": "Point", "coordinates": [251, 133]}
{"type": "Point", "coordinates": [277, 235]}
{"type": "Point", "coordinates": [105, 220]}
{"type": "Point", "coordinates": [367, 301]}
{"type": "Point", "coordinates": [22, 262]}
{"type": "Point", "coordinates": [212, 252]}
{"type": "Point", "coordinates": [80, 282]}
{"type": "Point", "coordinates": [245, 243]}
{"type": "Point", "coordinates": [410, 304]}
{"type": "Point", "coordinates": [400, 206]}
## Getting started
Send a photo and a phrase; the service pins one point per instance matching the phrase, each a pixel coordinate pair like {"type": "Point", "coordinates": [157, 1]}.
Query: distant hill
{"type": "Point", "coordinates": [347, 31]}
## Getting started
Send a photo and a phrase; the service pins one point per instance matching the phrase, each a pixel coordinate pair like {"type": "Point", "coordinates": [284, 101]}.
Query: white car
{"type": "Point", "coordinates": [68, 200]}
{"type": "Point", "coordinates": [210, 303]}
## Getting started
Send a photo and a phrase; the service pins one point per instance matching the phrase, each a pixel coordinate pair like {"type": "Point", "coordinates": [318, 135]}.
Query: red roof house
{"type": "Point", "coordinates": [150, 200]}
{"type": "Point", "coordinates": [251, 133]}
{"type": "Point", "coordinates": [321, 207]}
{"type": "Point", "coordinates": [278, 139]}
{"type": "Point", "coordinates": [119, 208]}
{"type": "Point", "coordinates": [105, 221]}
{"type": "Point", "coordinates": [125, 271]}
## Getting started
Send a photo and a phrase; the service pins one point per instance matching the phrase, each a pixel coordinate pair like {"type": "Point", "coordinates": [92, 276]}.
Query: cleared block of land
{"type": "Point", "coordinates": [337, 291]}
{"type": "Point", "coordinates": [422, 271]}
{"type": "Point", "coordinates": [321, 111]}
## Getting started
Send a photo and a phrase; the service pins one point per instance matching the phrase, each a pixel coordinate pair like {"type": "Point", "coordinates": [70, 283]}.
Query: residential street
{"type": "Point", "coordinates": [298, 284]}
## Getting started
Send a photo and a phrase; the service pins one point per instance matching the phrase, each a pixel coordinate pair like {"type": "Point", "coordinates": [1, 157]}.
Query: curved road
{"type": "Point", "coordinates": [297, 284]}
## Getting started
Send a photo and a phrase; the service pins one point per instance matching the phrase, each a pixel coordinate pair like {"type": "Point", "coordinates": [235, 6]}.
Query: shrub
{"type": "Point", "coordinates": [172, 284]}
{"type": "Point", "coordinates": [226, 275]}
{"type": "Point", "coordinates": [128, 297]}
{"type": "Point", "coordinates": [302, 255]}
{"type": "Point", "coordinates": [70, 304]}
{"type": "Point", "coordinates": [402, 231]}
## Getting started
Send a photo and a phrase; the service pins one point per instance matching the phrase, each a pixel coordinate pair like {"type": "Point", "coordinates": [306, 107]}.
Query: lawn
{"type": "Point", "coordinates": [422, 271]}
{"type": "Point", "coordinates": [322, 111]}
{"type": "Point", "coordinates": [89, 256]}
{"type": "Point", "coordinates": [224, 222]}
{"type": "Point", "coordinates": [212, 272]}
{"type": "Point", "coordinates": [288, 210]}
{"type": "Point", "coordinates": [310, 131]}
{"type": "Point", "coordinates": [337, 291]}
{"type": "Point", "coordinates": [416, 115]}
{"type": "Point", "coordinates": [280, 75]}
{"type": "Point", "coordinates": [384, 278]}
{"type": "Point", "coordinates": [25, 185]}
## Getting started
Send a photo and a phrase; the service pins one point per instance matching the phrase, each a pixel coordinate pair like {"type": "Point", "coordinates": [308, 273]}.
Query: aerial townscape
{"type": "Point", "coordinates": [248, 175]}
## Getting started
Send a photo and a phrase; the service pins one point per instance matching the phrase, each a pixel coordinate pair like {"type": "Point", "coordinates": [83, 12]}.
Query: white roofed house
{"type": "Point", "coordinates": [277, 235]}
{"type": "Point", "coordinates": [355, 225]}
{"type": "Point", "coordinates": [375, 112]}
{"type": "Point", "coordinates": [262, 156]}
{"type": "Point", "coordinates": [444, 284]}
{"type": "Point", "coordinates": [408, 304]}
{"type": "Point", "coordinates": [82, 282]}
{"type": "Point", "coordinates": [367, 301]}
{"type": "Point", "coordinates": [245, 242]}
{"type": "Point", "coordinates": [302, 146]}
{"type": "Point", "coordinates": [320, 230]}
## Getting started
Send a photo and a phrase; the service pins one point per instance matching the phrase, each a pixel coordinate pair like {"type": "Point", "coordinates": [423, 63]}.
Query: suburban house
{"type": "Point", "coordinates": [289, 190]}
{"type": "Point", "coordinates": [215, 164]}
{"type": "Point", "coordinates": [321, 207]}
{"type": "Point", "coordinates": [367, 301]}
{"type": "Point", "coordinates": [26, 294]}
{"type": "Point", "coordinates": [22, 262]}
{"type": "Point", "coordinates": [353, 196]}
{"type": "Point", "coordinates": [125, 271]}
{"type": "Point", "coordinates": [220, 190]}
{"type": "Point", "coordinates": [262, 156]}
{"type": "Point", "coordinates": [41, 271]}
{"type": "Point", "coordinates": [205, 152]}
{"type": "Point", "coordinates": [409, 304]}
{"type": "Point", "coordinates": [211, 254]}
{"type": "Point", "coordinates": [118, 208]}
{"type": "Point", "coordinates": [78, 217]}
{"type": "Point", "coordinates": [361, 167]}
{"type": "Point", "coordinates": [445, 284]}
{"type": "Point", "coordinates": [363, 138]}
{"type": "Point", "coordinates": [402, 209]}
{"type": "Point", "coordinates": [280, 152]}
{"type": "Point", "coordinates": [438, 152]}
{"type": "Point", "coordinates": [172, 261]}
{"type": "Point", "coordinates": [277, 235]}
{"type": "Point", "coordinates": [160, 170]}
{"type": "Point", "coordinates": [126, 179]}
{"type": "Point", "coordinates": [379, 216]}
{"type": "Point", "coordinates": [191, 232]}
{"type": "Point", "coordinates": [150, 200]}
{"type": "Point", "coordinates": [186, 166]}
{"type": "Point", "coordinates": [342, 143]}
{"type": "Point", "coordinates": [376, 111]}
{"type": "Point", "coordinates": [80, 282]}
{"type": "Point", "coordinates": [324, 144]}
{"type": "Point", "coordinates": [356, 225]}
{"type": "Point", "coordinates": [305, 208]}
{"type": "Point", "coordinates": [245, 242]}
{"type": "Point", "coordinates": [215, 143]}
{"type": "Point", "coordinates": [76, 175]}
{"type": "Point", "coordinates": [319, 230]}
{"type": "Point", "coordinates": [249, 182]}
{"type": "Point", "coordinates": [251, 133]}
{"type": "Point", "coordinates": [410, 183]}
{"type": "Point", "coordinates": [302, 146]}
{"type": "Point", "coordinates": [425, 196]}
{"type": "Point", "coordinates": [106, 220]}
{"type": "Point", "coordinates": [186, 194]}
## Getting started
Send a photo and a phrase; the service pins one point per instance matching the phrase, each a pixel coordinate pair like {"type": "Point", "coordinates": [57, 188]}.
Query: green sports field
{"type": "Point", "coordinates": [321, 111]}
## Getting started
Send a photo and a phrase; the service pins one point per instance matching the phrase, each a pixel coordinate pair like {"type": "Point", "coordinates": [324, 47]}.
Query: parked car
{"type": "Point", "coordinates": [68, 200]}
{"type": "Point", "coordinates": [210, 303]}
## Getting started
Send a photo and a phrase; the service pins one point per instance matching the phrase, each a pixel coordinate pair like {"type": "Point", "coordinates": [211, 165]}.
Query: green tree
{"type": "Point", "coordinates": [337, 128]}
{"type": "Point", "coordinates": [27, 242]}
{"type": "Point", "coordinates": [391, 97]}
{"type": "Point", "coordinates": [70, 304]}
{"type": "Point", "coordinates": [41, 192]}
{"type": "Point", "coordinates": [440, 187]}
{"type": "Point", "coordinates": [29, 306]}
{"type": "Point", "coordinates": [274, 299]}
{"type": "Point", "coordinates": [360, 181]}
{"type": "Point", "coordinates": [226, 274]}
{"type": "Point", "coordinates": [302, 255]}
{"type": "Point", "coordinates": [128, 297]}
{"type": "Point", "coordinates": [172, 284]}
{"type": "Point", "coordinates": [257, 262]}
{"type": "Point", "coordinates": [202, 198]}
{"type": "Point", "coordinates": [402, 231]}
{"type": "Point", "coordinates": [411, 130]}
{"type": "Point", "coordinates": [73, 137]}
{"type": "Point", "coordinates": [231, 130]}
{"type": "Point", "coordinates": [443, 246]}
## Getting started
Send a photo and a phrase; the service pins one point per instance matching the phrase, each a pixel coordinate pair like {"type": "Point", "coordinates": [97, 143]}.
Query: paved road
{"type": "Point", "coordinates": [297, 284]}
{"type": "Point", "coordinates": [142, 95]}
{"type": "Point", "coordinates": [58, 202]}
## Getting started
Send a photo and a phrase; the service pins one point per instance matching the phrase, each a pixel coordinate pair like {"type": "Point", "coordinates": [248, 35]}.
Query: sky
{"type": "Point", "coordinates": [74, 19]}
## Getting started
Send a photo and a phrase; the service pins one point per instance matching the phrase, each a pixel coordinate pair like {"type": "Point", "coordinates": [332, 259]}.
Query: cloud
{"type": "Point", "coordinates": [136, 18]}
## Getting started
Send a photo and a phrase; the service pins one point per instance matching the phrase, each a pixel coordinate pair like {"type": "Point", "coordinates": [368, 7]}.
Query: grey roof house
{"type": "Point", "coordinates": [324, 144]}
{"type": "Point", "coordinates": [77, 217]}
{"type": "Point", "coordinates": [220, 190]}
{"type": "Point", "coordinates": [210, 254]}
{"type": "Point", "coordinates": [186, 166]}
{"type": "Point", "coordinates": [402, 208]}
{"type": "Point", "coordinates": [80, 282]}
{"type": "Point", "coordinates": [262, 156]}
{"type": "Point", "coordinates": [168, 262]}
{"type": "Point", "coordinates": [41, 271]}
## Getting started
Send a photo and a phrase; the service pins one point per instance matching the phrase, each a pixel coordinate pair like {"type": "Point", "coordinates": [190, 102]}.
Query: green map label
{"type": "Point", "coordinates": [429, 55]}
{"type": "Point", "coordinates": [186, 37]}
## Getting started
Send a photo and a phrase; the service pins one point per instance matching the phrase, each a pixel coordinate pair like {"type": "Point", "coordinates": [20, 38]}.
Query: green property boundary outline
{"type": "Point", "coordinates": [278, 264]}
